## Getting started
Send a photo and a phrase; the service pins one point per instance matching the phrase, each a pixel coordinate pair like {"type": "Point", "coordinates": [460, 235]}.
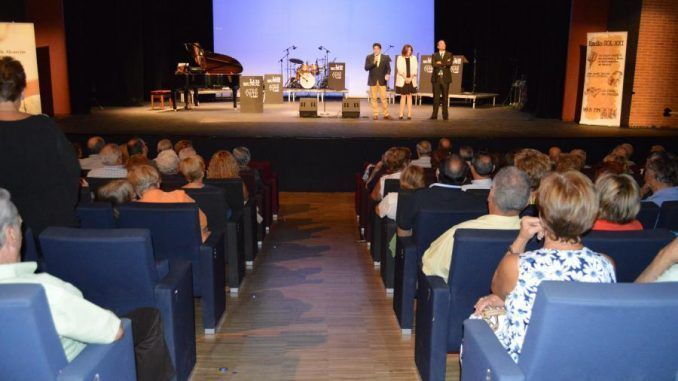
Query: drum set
{"type": "Point", "coordinates": [305, 75]}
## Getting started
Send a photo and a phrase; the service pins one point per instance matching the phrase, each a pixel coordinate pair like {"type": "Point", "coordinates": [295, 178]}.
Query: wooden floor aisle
{"type": "Point", "coordinates": [313, 308]}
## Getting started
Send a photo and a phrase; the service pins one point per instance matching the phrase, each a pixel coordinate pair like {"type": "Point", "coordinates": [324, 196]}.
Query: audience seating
{"type": "Point", "coordinates": [584, 331]}
{"type": "Point", "coordinates": [96, 215]}
{"type": "Point", "coordinates": [31, 349]}
{"type": "Point", "coordinates": [261, 201]}
{"type": "Point", "coordinates": [632, 251]}
{"type": "Point", "coordinates": [170, 183]}
{"type": "Point", "coordinates": [212, 201]}
{"type": "Point", "coordinates": [269, 178]}
{"type": "Point", "coordinates": [443, 307]}
{"type": "Point", "coordinates": [668, 216]}
{"type": "Point", "coordinates": [374, 235]}
{"type": "Point", "coordinates": [429, 225]}
{"type": "Point", "coordinates": [387, 230]}
{"type": "Point", "coordinates": [115, 269]}
{"type": "Point", "coordinates": [175, 231]}
{"type": "Point", "coordinates": [242, 211]}
{"type": "Point", "coordinates": [97, 182]}
{"type": "Point", "coordinates": [648, 214]}
{"type": "Point", "coordinates": [482, 193]}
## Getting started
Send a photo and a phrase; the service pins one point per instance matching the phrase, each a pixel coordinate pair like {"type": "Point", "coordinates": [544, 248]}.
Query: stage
{"type": "Point", "coordinates": [323, 154]}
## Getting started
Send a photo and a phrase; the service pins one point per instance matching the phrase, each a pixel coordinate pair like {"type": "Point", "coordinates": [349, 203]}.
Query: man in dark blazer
{"type": "Point", "coordinates": [441, 78]}
{"type": "Point", "coordinates": [379, 67]}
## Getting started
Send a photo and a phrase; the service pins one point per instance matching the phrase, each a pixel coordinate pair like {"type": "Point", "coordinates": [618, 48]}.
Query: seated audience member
{"type": "Point", "coordinates": [94, 146]}
{"type": "Point", "coordinates": [37, 162]}
{"type": "Point", "coordinates": [187, 152]}
{"type": "Point", "coordinates": [610, 167]}
{"type": "Point", "coordinates": [661, 177]}
{"type": "Point", "coordinates": [224, 166]}
{"type": "Point", "coordinates": [568, 162]}
{"type": "Point", "coordinates": [243, 156]}
{"type": "Point", "coordinates": [77, 148]}
{"type": "Point", "coordinates": [77, 321]}
{"type": "Point", "coordinates": [628, 149]}
{"type": "Point", "coordinates": [137, 146]}
{"type": "Point", "coordinates": [466, 153]}
{"type": "Point", "coordinates": [509, 157]}
{"type": "Point", "coordinates": [423, 154]}
{"type": "Point", "coordinates": [567, 209]}
{"type": "Point", "coordinates": [582, 156]}
{"type": "Point", "coordinates": [618, 161]}
{"type": "Point", "coordinates": [412, 178]}
{"type": "Point", "coordinates": [554, 152]}
{"type": "Point", "coordinates": [442, 152]}
{"type": "Point", "coordinates": [444, 195]}
{"type": "Point", "coordinates": [657, 148]}
{"type": "Point", "coordinates": [508, 196]}
{"type": "Point", "coordinates": [181, 144]}
{"type": "Point", "coordinates": [125, 153]}
{"type": "Point", "coordinates": [373, 172]}
{"type": "Point", "coordinates": [193, 170]}
{"type": "Point", "coordinates": [138, 159]}
{"type": "Point", "coordinates": [167, 163]}
{"type": "Point", "coordinates": [117, 192]}
{"type": "Point", "coordinates": [481, 168]}
{"type": "Point", "coordinates": [619, 203]}
{"type": "Point", "coordinates": [397, 158]}
{"type": "Point", "coordinates": [164, 145]}
{"type": "Point", "coordinates": [664, 267]}
{"type": "Point", "coordinates": [535, 164]}
{"type": "Point", "coordinates": [146, 182]}
{"type": "Point", "coordinates": [112, 168]}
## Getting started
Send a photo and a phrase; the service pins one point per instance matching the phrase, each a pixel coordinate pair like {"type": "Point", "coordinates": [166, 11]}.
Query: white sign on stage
{"type": "Point", "coordinates": [604, 79]}
{"type": "Point", "coordinates": [17, 40]}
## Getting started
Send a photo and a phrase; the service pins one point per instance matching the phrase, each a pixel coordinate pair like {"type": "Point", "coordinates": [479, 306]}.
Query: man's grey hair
{"type": "Point", "coordinates": [424, 148]}
{"type": "Point", "coordinates": [167, 162]}
{"type": "Point", "coordinates": [242, 155]}
{"type": "Point", "coordinates": [9, 215]}
{"type": "Point", "coordinates": [511, 189]}
{"type": "Point", "coordinates": [111, 155]}
{"type": "Point", "coordinates": [95, 144]}
{"type": "Point", "coordinates": [466, 153]}
{"type": "Point", "coordinates": [482, 163]}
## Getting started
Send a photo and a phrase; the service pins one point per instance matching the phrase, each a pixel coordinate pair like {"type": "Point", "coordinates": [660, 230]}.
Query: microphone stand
{"type": "Point", "coordinates": [286, 58]}
{"type": "Point", "coordinates": [327, 79]}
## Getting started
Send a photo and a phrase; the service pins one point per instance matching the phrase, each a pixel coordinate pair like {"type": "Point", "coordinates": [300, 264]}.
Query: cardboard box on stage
{"type": "Point", "coordinates": [273, 89]}
{"type": "Point", "coordinates": [252, 94]}
{"type": "Point", "coordinates": [337, 76]}
{"type": "Point", "coordinates": [425, 72]}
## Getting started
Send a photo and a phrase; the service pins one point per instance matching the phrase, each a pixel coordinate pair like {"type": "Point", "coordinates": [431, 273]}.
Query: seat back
{"type": "Point", "coordinates": [668, 216]}
{"type": "Point", "coordinates": [175, 228]}
{"type": "Point", "coordinates": [97, 182]}
{"type": "Point", "coordinates": [391, 185]}
{"type": "Point", "coordinates": [250, 181]}
{"type": "Point", "coordinates": [649, 211]}
{"type": "Point", "coordinates": [430, 224]}
{"type": "Point", "coordinates": [172, 182]}
{"type": "Point", "coordinates": [631, 251]}
{"type": "Point", "coordinates": [30, 348]}
{"type": "Point", "coordinates": [592, 331]}
{"type": "Point", "coordinates": [475, 257]}
{"type": "Point", "coordinates": [235, 198]}
{"type": "Point", "coordinates": [95, 215]}
{"type": "Point", "coordinates": [212, 201]}
{"type": "Point", "coordinates": [264, 168]}
{"type": "Point", "coordinates": [105, 264]}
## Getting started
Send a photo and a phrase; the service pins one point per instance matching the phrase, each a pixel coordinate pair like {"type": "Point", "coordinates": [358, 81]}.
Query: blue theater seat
{"type": "Point", "coordinates": [175, 231]}
{"type": "Point", "coordinates": [428, 226]}
{"type": "Point", "coordinates": [649, 211]}
{"type": "Point", "coordinates": [585, 331]}
{"type": "Point", "coordinates": [31, 349]}
{"type": "Point", "coordinates": [95, 215]}
{"type": "Point", "coordinates": [632, 251]}
{"type": "Point", "coordinates": [443, 307]}
{"type": "Point", "coordinates": [668, 216]}
{"type": "Point", "coordinates": [115, 269]}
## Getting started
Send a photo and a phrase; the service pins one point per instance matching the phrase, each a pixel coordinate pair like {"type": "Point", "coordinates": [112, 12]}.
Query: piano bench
{"type": "Point", "coordinates": [159, 96]}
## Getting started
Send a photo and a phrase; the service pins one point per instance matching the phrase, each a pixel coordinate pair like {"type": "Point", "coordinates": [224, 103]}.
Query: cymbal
{"type": "Point", "coordinates": [296, 61]}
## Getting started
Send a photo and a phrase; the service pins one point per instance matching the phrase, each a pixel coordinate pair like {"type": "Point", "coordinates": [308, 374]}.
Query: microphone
{"type": "Point", "coordinates": [320, 47]}
{"type": "Point", "coordinates": [390, 46]}
{"type": "Point", "coordinates": [294, 47]}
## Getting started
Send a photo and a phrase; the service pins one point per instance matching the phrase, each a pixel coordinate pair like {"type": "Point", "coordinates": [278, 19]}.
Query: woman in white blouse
{"type": "Point", "coordinates": [412, 178]}
{"type": "Point", "coordinates": [406, 79]}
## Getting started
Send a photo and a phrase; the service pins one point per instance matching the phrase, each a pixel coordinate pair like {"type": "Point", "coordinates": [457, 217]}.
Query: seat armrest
{"type": "Point", "coordinates": [114, 361]}
{"type": "Point", "coordinates": [162, 266]}
{"type": "Point", "coordinates": [213, 282]}
{"type": "Point", "coordinates": [433, 304]}
{"type": "Point", "coordinates": [483, 357]}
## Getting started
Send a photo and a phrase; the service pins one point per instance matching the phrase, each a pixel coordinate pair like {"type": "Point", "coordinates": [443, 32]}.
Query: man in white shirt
{"type": "Point", "coordinates": [508, 196]}
{"type": "Point", "coordinates": [94, 146]}
{"type": "Point", "coordinates": [111, 160]}
{"type": "Point", "coordinates": [481, 172]}
{"type": "Point", "coordinates": [79, 322]}
{"type": "Point", "coordinates": [423, 154]}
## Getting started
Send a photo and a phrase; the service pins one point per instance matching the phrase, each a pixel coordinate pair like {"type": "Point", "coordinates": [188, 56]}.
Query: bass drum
{"type": "Point", "coordinates": [307, 81]}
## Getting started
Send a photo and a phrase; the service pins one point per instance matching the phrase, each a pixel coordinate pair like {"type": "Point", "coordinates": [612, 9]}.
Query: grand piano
{"type": "Point", "coordinates": [211, 71]}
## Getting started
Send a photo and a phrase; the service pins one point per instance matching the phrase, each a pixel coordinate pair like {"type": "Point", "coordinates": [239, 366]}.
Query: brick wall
{"type": "Point", "coordinates": [656, 76]}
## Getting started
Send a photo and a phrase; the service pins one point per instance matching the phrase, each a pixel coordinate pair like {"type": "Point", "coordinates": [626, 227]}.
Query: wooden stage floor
{"type": "Point", "coordinates": [313, 308]}
{"type": "Point", "coordinates": [220, 119]}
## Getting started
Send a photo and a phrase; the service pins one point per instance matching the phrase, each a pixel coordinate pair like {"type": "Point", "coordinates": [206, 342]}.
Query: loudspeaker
{"type": "Point", "coordinates": [350, 108]}
{"type": "Point", "coordinates": [308, 107]}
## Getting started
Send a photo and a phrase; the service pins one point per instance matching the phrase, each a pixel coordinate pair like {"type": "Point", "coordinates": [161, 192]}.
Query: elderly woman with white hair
{"type": "Point", "coordinates": [243, 156]}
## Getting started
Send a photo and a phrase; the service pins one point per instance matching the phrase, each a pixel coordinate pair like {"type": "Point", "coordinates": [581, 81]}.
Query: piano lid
{"type": "Point", "coordinates": [213, 63]}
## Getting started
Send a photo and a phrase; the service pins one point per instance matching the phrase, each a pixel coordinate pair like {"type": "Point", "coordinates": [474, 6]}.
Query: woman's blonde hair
{"type": "Point", "coordinates": [413, 177]}
{"type": "Point", "coordinates": [192, 168]}
{"type": "Point", "coordinates": [568, 205]}
{"type": "Point", "coordinates": [223, 166]}
{"type": "Point", "coordinates": [116, 192]}
{"type": "Point", "coordinates": [618, 197]}
{"type": "Point", "coordinates": [534, 163]}
{"type": "Point", "coordinates": [143, 177]}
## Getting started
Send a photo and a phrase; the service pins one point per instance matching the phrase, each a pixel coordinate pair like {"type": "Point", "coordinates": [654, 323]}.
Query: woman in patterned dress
{"type": "Point", "coordinates": [568, 206]}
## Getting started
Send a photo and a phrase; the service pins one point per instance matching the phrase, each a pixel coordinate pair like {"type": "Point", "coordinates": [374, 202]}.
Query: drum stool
{"type": "Point", "coordinates": [159, 96]}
